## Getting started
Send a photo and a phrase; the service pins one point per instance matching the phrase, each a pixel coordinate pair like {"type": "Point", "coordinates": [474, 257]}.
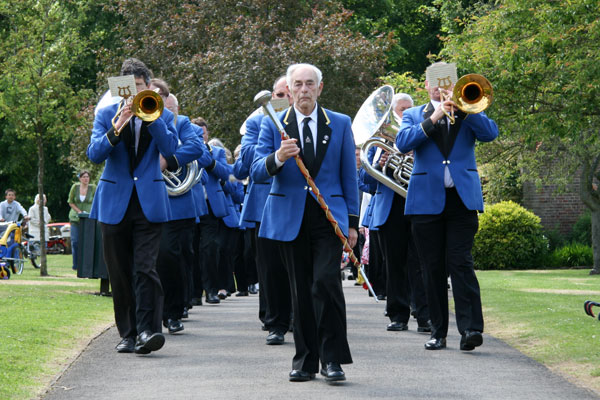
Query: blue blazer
{"type": "Point", "coordinates": [212, 177]}
{"type": "Point", "coordinates": [334, 172]}
{"type": "Point", "coordinates": [381, 202]}
{"type": "Point", "coordinates": [190, 149]}
{"type": "Point", "coordinates": [434, 151]}
{"type": "Point", "coordinates": [125, 170]}
{"type": "Point", "coordinates": [257, 192]}
{"type": "Point", "coordinates": [205, 160]}
{"type": "Point", "coordinates": [234, 193]}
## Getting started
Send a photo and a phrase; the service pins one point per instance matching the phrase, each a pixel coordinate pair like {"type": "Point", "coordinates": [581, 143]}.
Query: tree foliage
{"type": "Point", "coordinates": [218, 54]}
{"type": "Point", "coordinates": [543, 60]}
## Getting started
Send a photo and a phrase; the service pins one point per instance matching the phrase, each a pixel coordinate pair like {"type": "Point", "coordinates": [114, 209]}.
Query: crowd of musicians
{"type": "Point", "coordinates": [252, 224]}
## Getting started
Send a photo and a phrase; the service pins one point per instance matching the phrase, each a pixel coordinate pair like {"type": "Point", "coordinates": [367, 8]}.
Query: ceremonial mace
{"type": "Point", "coordinates": [262, 99]}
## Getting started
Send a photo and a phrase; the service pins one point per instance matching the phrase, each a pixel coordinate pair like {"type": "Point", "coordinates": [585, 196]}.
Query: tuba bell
{"type": "Point", "coordinates": [180, 181]}
{"type": "Point", "coordinates": [376, 125]}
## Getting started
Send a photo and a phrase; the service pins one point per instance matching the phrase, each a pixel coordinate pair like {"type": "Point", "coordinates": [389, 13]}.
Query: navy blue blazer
{"type": "Point", "coordinates": [234, 193]}
{"type": "Point", "coordinates": [434, 151]}
{"type": "Point", "coordinates": [205, 160]}
{"type": "Point", "coordinates": [381, 202]}
{"type": "Point", "coordinates": [334, 172]}
{"type": "Point", "coordinates": [190, 149]}
{"type": "Point", "coordinates": [257, 192]}
{"type": "Point", "coordinates": [124, 169]}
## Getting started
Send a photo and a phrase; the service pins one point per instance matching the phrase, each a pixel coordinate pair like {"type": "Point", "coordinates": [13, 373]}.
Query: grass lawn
{"type": "Point", "coordinates": [44, 324]}
{"type": "Point", "coordinates": [540, 312]}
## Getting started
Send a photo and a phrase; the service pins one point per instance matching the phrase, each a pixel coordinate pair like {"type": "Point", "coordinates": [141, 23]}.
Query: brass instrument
{"type": "Point", "coordinates": [147, 105]}
{"type": "Point", "coordinates": [472, 94]}
{"type": "Point", "coordinates": [375, 124]}
{"type": "Point", "coordinates": [178, 183]}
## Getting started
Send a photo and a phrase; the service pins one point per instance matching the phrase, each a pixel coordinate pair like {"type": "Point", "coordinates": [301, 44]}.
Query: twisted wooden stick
{"type": "Point", "coordinates": [262, 99]}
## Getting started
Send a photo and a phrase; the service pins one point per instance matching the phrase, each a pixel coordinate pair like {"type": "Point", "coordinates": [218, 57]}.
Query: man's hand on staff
{"type": "Point", "coordinates": [352, 237]}
{"type": "Point", "coordinates": [288, 149]}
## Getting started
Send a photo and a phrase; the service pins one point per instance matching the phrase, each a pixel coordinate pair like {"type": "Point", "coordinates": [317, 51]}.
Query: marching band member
{"type": "Point", "coordinates": [131, 204]}
{"type": "Point", "coordinates": [444, 195]}
{"type": "Point", "coordinates": [310, 249]}
{"type": "Point", "coordinates": [401, 264]}
{"type": "Point", "coordinates": [274, 297]}
{"type": "Point", "coordinates": [175, 256]}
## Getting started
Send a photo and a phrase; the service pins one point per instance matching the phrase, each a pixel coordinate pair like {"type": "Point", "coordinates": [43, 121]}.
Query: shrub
{"type": "Point", "coordinates": [509, 237]}
{"type": "Point", "coordinates": [572, 255]}
{"type": "Point", "coordinates": [555, 239]}
{"type": "Point", "coordinates": [582, 230]}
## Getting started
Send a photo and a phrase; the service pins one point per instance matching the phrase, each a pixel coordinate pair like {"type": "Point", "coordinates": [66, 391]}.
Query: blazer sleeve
{"type": "Point", "coordinates": [348, 174]}
{"type": "Point", "coordinates": [412, 133]}
{"type": "Point", "coordinates": [263, 166]}
{"type": "Point", "coordinates": [190, 148]}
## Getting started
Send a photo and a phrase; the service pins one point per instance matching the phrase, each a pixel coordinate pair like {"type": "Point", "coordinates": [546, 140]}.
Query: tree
{"type": "Point", "coordinates": [217, 55]}
{"type": "Point", "coordinates": [39, 46]}
{"type": "Point", "coordinates": [543, 58]}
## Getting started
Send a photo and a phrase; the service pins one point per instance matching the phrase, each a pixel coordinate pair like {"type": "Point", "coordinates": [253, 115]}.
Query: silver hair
{"type": "Point", "coordinates": [294, 67]}
{"type": "Point", "coordinates": [277, 81]}
{"type": "Point", "coordinates": [174, 98]}
{"type": "Point", "coordinates": [402, 96]}
{"type": "Point", "coordinates": [216, 142]}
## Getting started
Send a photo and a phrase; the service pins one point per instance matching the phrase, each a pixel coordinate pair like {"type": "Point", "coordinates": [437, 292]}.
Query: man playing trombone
{"type": "Point", "coordinates": [131, 204]}
{"type": "Point", "coordinates": [444, 196]}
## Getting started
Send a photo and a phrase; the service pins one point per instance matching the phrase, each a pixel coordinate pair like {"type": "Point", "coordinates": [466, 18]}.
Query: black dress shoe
{"type": "Point", "coordinates": [212, 299]}
{"type": "Point", "coordinates": [174, 326]}
{"type": "Point", "coordinates": [222, 295]}
{"type": "Point", "coordinates": [185, 313]}
{"type": "Point", "coordinates": [148, 341]}
{"type": "Point", "coordinates": [300, 376]}
{"type": "Point", "coordinates": [470, 339]}
{"type": "Point", "coordinates": [275, 338]}
{"type": "Point", "coordinates": [424, 328]}
{"type": "Point", "coordinates": [435, 344]}
{"type": "Point", "coordinates": [241, 294]}
{"type": "Point", "coordinates": [397, 326]}
{"type": "Point", "coordinates": [126, 345]}
{"type": "Point", "coordinates": [196, 301]}
{"type": "Point", "coordinates": [333, 372]}
{"type": "Point", "coordinates": [380, 297]}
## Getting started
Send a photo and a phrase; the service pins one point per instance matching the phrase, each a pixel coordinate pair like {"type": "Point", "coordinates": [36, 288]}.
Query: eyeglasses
{"type": "Point", "coordinates": [280, 94]}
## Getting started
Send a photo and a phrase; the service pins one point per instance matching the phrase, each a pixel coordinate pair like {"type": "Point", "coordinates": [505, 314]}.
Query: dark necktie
{"type": "Point", "coordinates": [309, 147]}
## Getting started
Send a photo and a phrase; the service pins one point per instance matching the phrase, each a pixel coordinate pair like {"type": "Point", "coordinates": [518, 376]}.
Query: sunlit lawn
{"type": "Point", "coordinates": [541, 313]}
{"type": "Point", "coordinates": [44, 323]}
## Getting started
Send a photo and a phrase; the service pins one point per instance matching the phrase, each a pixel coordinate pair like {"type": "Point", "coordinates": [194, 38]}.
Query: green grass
{"type": "Point", "coordinates": [541, 313]}
{"type": "Point", "coordinates": [44, 323]}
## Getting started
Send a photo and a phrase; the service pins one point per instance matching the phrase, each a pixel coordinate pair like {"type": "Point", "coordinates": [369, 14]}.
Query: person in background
{"type": "Point", "coordinates": [35, 221]}
{"type": "Point", "coordinates": [80, 200]}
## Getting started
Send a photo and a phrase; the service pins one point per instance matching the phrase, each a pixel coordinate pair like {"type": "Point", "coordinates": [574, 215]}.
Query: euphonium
{"type": "Point", "coordinates": [376, 118]}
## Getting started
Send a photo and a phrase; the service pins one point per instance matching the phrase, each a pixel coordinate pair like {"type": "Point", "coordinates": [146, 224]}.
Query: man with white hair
{"type": "Point", "coordinates": [309, 246]}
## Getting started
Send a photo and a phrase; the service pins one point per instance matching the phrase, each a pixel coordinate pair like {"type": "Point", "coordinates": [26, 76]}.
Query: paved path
{"type": "Point", "coordinates": [222, 355]}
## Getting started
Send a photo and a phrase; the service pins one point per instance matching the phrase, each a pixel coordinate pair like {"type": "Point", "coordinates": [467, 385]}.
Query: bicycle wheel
{"type": "Point", "coordinates": [34, 252]}
{"type": "Point", "coordinates": [17, 262]}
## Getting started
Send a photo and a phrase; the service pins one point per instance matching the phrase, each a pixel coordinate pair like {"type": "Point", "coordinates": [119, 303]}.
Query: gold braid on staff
{"type": "Point", "coordinates": [262, 99]}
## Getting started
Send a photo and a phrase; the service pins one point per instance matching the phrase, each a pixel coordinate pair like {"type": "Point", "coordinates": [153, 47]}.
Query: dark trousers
{"type": "Point", "coordinates": [377, 275]}
{"type": "Point", "coordinates": [313, 263]}
{"type": "Point", "coordinates": [418, 300]}
{"type": "Point", "coordinates": [274, 285]}
{"type": "Point", "coordinates": [196, 283]}
{"type": "Point", "coordinates": [238, 261]}
{"type": "Point", "coordinates": [227, 243]}
{"type": "Point", "coordinates": [174, 261]}
{"type": "Point", "coordinates": [210, 254]}
{"type": "Point", "coordinates": [394, 236]}
{"type": "Point", "coordinates": [249, 255]}
{"type": "Point", "coordinates": [444, 242]}
{"type": "Point", "coordinates": [130, 252]}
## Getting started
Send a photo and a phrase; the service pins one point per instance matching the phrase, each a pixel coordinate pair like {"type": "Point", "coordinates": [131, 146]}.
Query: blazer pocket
{"type": "Point", "coordinates": [159, 180]}
{"type": "Point", "coordinates": [472, 169]}
{"type": "Point", "coordinates": [277, 194]}
{"type": "Point", "coordinates": [336, 195]}
{"type": "Point", "coordinates": [418, 173]}
{"type": "Point", "coordinates": [106, 180]}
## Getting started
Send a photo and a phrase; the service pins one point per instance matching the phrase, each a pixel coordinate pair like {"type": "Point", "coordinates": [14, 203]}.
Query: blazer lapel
{"type": "Point", "coordinates": [323, 139]}
{"type": "Point", "coordinates": [291, 128]}
{"type": "Point", "coordinates": [129, 143]}
{"type": "Point", "coordinates": [438, 136]}
{"type": "Point", "coordinates": [453, 134]}
{"type": "Point", "coordinates": [143, 144]}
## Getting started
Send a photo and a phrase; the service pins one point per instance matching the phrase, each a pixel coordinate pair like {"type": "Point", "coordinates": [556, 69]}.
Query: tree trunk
{"type": "Point", "coordinates": [596, 241]}
{"type": "Point", "coordinates": [43, 222]}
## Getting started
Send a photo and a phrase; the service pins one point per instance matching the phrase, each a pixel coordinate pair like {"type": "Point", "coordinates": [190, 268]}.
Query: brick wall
{"type": "Point", "coordinates": [556, 210]}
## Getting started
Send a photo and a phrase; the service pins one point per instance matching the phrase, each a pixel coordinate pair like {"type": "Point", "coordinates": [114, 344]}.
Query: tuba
{"type": "Point", "coordinates": [181, 180]}
{"type": "Point", "coordinates": [376, 124]}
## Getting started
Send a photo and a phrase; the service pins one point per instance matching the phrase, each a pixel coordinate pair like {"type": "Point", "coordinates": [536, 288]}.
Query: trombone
{"type": "Point", "coordinates": [472, 94]}
{"type": "Point", "coordinates": [147, 105]}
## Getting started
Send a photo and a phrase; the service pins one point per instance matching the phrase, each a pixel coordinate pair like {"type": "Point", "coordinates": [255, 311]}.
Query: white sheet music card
{"type": "Point", "coordinates": [280, 104]}
{"type": "Point", "coordinates": [122, 86]}
{"type": "Point", "coordinates": [441, 75]}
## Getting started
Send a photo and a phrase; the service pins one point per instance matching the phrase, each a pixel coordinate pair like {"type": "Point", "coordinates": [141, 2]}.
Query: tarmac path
{"type": "Point", "coordinates": [221, 354]}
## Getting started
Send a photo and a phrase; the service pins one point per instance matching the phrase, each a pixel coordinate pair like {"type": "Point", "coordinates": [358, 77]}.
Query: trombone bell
{"type": "Point", "coordinates": [472, 93]}
{"type": "Point", "coordinates": [147, 105]}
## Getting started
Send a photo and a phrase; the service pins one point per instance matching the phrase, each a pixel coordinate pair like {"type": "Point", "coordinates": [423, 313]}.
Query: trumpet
{"type": "Point", "coordinates": [147, 105]}
{"type": "Point", "coordinates": [472, 94]}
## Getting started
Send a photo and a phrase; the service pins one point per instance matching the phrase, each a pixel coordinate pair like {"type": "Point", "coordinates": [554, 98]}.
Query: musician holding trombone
{"type": "Point", "coordinates": [131, 204]}
{"type": "Point", "coordinates": [444, 196]}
